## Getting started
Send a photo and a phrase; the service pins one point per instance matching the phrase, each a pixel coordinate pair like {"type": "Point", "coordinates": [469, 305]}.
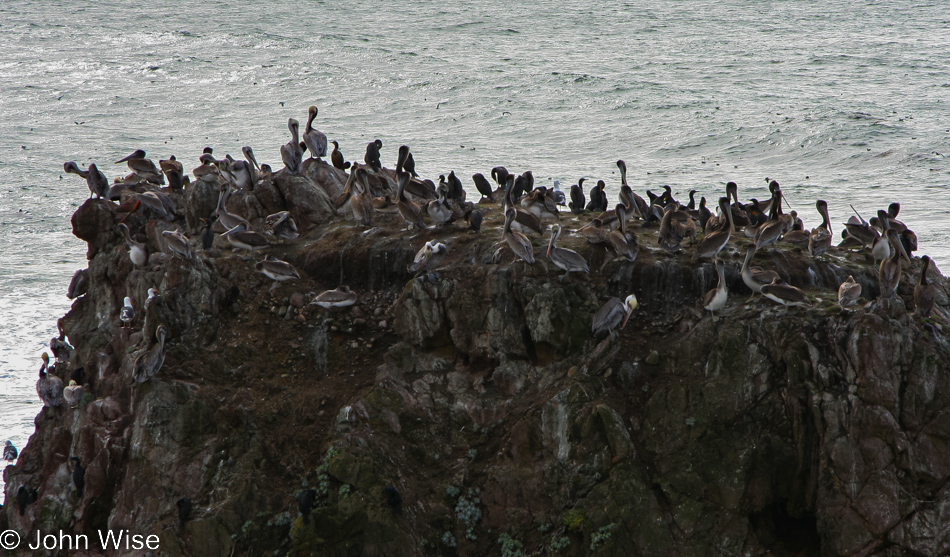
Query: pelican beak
{"type": "Point", "coordinates": [627, 317]}
{"type": "Point", "coordinates": [549, 252]}
{"type": "Point", "coordinates": [134, 208]}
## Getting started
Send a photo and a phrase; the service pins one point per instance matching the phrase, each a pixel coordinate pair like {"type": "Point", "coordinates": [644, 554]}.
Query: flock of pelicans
{"type": "Point", "coordinates": [372, 190]}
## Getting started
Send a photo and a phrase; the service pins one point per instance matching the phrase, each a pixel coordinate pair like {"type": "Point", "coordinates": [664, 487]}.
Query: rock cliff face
{"type": "Point", "coordinates": [471, 412]}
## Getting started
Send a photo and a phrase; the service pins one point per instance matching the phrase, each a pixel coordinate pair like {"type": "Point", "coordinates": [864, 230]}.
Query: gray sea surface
{"type": "Point", "coordinates": [846, 101]}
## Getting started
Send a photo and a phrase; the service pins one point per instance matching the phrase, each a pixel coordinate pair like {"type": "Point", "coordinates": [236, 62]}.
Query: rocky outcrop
{"type": "Point", "coordinates": [471, 412]}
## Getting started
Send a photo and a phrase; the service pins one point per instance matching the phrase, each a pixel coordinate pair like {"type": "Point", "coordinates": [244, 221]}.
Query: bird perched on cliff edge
{"type": "Point", "coordinates": [9, 452]}
{"type": "Point", "coordinates": [848, 293]}
{"type": "Point", "coordinates": [611, 314]}
{"type": "Point", "coordinates": [127, 313]}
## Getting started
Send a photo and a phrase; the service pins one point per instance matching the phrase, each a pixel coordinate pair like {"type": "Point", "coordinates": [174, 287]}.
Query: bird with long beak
{"type": "Point", "coordinates": [925, 294]}
{"type": "Point", "coordinates": [96, 181]}
{"type": "Point", "coordinates": [755, 277]}
{"type": "Point", "coordinates": [49, 387]}
{"type": "Point", "coordinates": [281, 225]}
{"type": "Point", "coordinates": [624, 246]}
{"type": "Point", "coordinates": [518, 242]}
{"type": "Point", "coordinates": [784, 294]}
{"type": "Point", "coordinates": [315, 140]}
{"type": "Point", "coordinates": [150, 362]}
{"type": "Point", "coordinates": [712, 243]}
{"type": "Point", "coordinates": [568, 260]}
{"type": "Point", "coordinates": [849, 292]}
{"type": "Point", "coordinates": [142, 167]}
{"type": "Point", "coordinates": [716, 298]}
{"type": "Point", "coordinates": [241, 237]}
{"type": "Point", "coordinates": [73, 393]}
{"type": "Point", "coordinates": [276, 270]}
{"type": "Point", "coordinates": [615, 312]}
{"type": "Point", "coordinates": [290, 152]}
{"type": "Point", "coordinates": [889, 272]}
{"type": "Point", "coordinates": [174, 172]}
{"type": "Point", "coordinates": [177, 243]}
{"type": "Point", "coordinates": [428, 258]}
{"type": "Point", "coordinates": [338, 298]}
{"type": "Point", "coordinates": [820, 238]}
{"type": "Point", "coordinates": [137, 252]}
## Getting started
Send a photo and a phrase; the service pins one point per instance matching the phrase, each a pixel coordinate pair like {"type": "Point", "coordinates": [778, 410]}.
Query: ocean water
{"type": "Point", "coordinates": [845, 101]}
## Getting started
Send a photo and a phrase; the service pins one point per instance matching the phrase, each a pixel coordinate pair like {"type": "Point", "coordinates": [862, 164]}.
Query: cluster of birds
{"type": "Point", "coordinates": [372, 190]}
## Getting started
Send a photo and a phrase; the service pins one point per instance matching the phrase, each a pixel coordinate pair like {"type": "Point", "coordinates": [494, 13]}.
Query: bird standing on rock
{"type": "Point", "coordinates": [127, 313]}
{"type": "Point", "coordinates": [716, 298]}
{"type": "Point", "coordinates": [615, 312]}
{"type": "Point", "coordinates": [73, 393]}
{"type": "Point", "coordinates": [925, 294]}
{"type": "Point", "coordinates": [49, 387]}
{"type": "Point", "coordinates": [277, 270]}
{"type": "Point", "coordinates": [338, 298]}
{"type": "Point", "coordinates": [848, 293]}
{"type": "Point", "coordinates": [372, 155]}
{"type": "Point", "coordinates": [9, 451]}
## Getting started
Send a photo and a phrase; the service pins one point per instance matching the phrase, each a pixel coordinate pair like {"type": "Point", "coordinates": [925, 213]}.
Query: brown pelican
{"type": "Point", "coordinates": [177, 243]}
{"type": "Point", "coordinates": [142, 167]}
{"type": "Point", "coordinates": [595, 232]}
{"type": "Point", "coordinates": [362, 201]}
{"type": "Point", "coordinates": [540, 205]}
{"type": "Point", "coordinates": [241, 237]}
{"type": "Point", "coordinates": [641, 204]}
{"type": "Point", "coordinates": [281, 225]}
{"type": "Point", "coordinates": [157, 203]}
{"type": "Point", "coordinates": [73, 393]}
{"type": "Point", "coordinates": [96, 181]}
{"type": "Point", "coordinates": [518, 242]}
{"type": "Point", "coordinates": [483, 187]}
{"type": "Point", "coordinates": [127, 313]}
{"type": "Point", "coordinates": [58, 346]}
{"type": "Point", "coordinates": [228, 220]}
{"type": "Point", "coordinates": [625, 247]}
{"type": "Point", "coordinates": [716, 298]}
{"type": "Point", "coordinates": [78, 285]}
{"type": "Point", "coordinates": [410, 212]}
{"type": "Point", "coordinates": [428, 258]}
{"type": "Point", "coordinates": [523, 219]}
{"type": "Point", "coordinates": [174, 172]}
{"type": "Point", "coordinates": [290, 152]}
{"type": "Point", "coordinates": [137, 251]}
{"type": "Point", "coordinates": [784, 294]}
{"type": "Point", "coordinates": [315, 139]}
{"type": "Point", "coordinates": [768, 233]}
{"type": "Point", "coordinates": [889, 272]}
{"type": "Point", "coordinates": [820, 238]}
{"type": "Point", "coordinates": [713, 242]}
{"type": "Point", "coordinates": [860, 230]}
{"type": "Point", "coordinates": [566, 259]}
{"type": "Point", "coordinates": [244, 172]}
{"type": "Point", "coordinates": [339, 298]}
{"type": "Point", "coordinates": [755, 277]}
{"type": "Point", "coordinates": [208, 172]}
{"type": "Point", "coordinates": [674, 226]}
{"type": "Point", "coordinates": [276, 270]}
{"type": "Point", "coordinates": [336, 157]}
{"type": "Point", "coordinates": [881, 247]}
{"type": "Point", "coordinates": [925, 294]}
{"type": "Point", "coordinates": [150, 362]}
{"type": "Point", "coordinates": [612, 314]}
{"type": "Point", "coordinates": [49, 387]}
{"type": "Point", "coordinates": [848, 293]}
{"type": "Point", "coordinates": [9, 451]}
{"type": "Point", "coordinates": [438, 210]}
{"type": "Point", "coordinates": [578, 200]}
